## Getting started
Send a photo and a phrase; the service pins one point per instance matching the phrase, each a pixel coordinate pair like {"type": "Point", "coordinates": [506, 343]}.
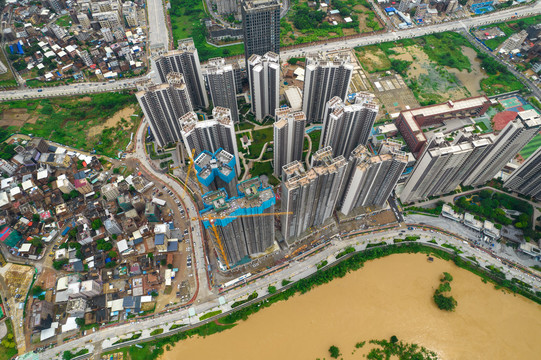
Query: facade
{"type": "Point", "coordinates": [264, 79]}
{"type": "Point", "coordinates": [509, 142]}
{"type": "Point", "coordinates": [221, 82]}
{"type": "Point", "coordinates": [245, 224]}
{"type": "Point", "coordinates": [210, 135]}
{"type": "Point", "coordinates": [371, 178]}
{"type": "Point", "coordinates": [445, 164]}
{"type": "Point", "coordinates": [163, 105]}
{"type": "Point", "coordinates": [224, 7]}
{"type": "Point", "coordinates": [217, 171]}
{"type": "Point", "coordinates": [526, 180]}
{"type": "Point", "coordinates": [185, 60]}
{"type": "Point", "coordinates": [261, 26]}
{"type": "Point", "coordinates": [346, 126]}
{"type": "Point", "coordinates": [288, 138]}
{"type": "Point", "coordinates": [324, 78]}
{"type": "Point", "coordinates": [311, 196]}
{"type": "Point", "coordinates": [410, 123]}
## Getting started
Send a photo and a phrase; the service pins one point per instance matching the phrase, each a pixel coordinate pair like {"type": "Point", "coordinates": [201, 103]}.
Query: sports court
{"type": "Point", "coordinates": [482, 8]}
{"type": "Point", "coordinates": [515, 103]}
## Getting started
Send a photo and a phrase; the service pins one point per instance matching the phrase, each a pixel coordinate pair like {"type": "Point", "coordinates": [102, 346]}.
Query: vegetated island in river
{"type": "Point", "coordinates": [352, 261]}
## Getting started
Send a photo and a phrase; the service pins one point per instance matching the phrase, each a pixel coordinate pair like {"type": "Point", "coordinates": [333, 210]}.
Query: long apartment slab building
{"type": "Point", "coordinates": [245, 224]}
{"type": "Point", "coordinates": [467, 158]}
{"type": "Point", "coordinates": [526, 180]}
{"type": "Point", "coordinates": [411, 123]}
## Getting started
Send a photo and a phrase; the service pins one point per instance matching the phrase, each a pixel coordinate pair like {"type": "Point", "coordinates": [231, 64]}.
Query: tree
{"type": "Point", "coordinates": [36, 290]}
{"type": "Point", "coordinates": [113, 254]}
{"type": "Point", "coordinates": [35, 218]}
{"type": "Point", "coordinates": [335, 352]}
{"type": "Point", "coordinates": [163, 262]}
{"type": "Point", "coordinates": [80, 321]}
{"type": "Point", "coordinates": [394, 339]}
{"type": "Point", "coordinates": [96, 224]}
{"type": "Point", "coordinates": [271, 289]}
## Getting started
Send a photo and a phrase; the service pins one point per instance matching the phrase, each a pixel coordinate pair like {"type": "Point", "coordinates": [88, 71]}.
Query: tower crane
{"type": "Point", "coordinates": [212, 218]}
{"type": "Point", "coordinates": [190, 167]}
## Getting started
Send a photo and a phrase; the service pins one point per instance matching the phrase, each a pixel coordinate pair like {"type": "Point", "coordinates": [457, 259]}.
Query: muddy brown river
{"type": "Point", "coordinates": [389, 296]}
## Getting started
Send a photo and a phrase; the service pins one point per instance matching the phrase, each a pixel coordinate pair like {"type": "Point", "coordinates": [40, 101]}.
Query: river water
{"type": "Point", "coordinates": [389, 296]}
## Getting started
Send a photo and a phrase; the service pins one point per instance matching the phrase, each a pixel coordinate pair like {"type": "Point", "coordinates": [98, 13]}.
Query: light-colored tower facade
{"type": "Point", "coordinates": [221, 82]}
{"type": "Point", "coordinates": [163, 105]}
{"type": "Point", "coordinates": [509, 142]}
{"type": "Point", "coordinates": [346, 126]}
{"type": "Point", "coordinates": [185, 60]}
{"type": "Point", "coordinates": [325, 77]}
{"type": "Point", "coordinates": [210, 135]}
{"type": "Point", "coordinates": [311, 196]}
{"type": "Point", "coordinates": [264, 78]}
{"type": "Point", "coordinates": [261, 27]}
{"type": "Point", "coordinates": [526, 180]}
{"type": "Point", "coordinates": [288, 138]}
{"type": "Point", "coordinates": [371, 178]}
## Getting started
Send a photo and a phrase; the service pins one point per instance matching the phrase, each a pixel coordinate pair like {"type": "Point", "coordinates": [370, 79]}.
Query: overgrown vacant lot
{"type": "Point", "coordinates": [100, 122]}
{"type": "Point", "coordinates": [439, 67]}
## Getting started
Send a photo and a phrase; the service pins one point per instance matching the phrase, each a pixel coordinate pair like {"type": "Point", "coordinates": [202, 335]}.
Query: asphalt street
{"type": "Point", "coordinates": [160, 36]}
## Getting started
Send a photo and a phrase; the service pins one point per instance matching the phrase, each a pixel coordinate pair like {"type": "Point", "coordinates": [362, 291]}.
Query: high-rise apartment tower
{"type": "Point", "coordinates": [163, 105]}
{"type": "Point", "coordinates": [288, 138]}
{"type": "Point", "coordinates": [264, 78]}
{"type": "Point", "coordinates": [346, 126]}
{"type": "Point", "coordinates": [221, 82]}
{"type": "Point", "coordinates": [325, 77]}
{"type": "Point", "coordinates": [261, 25]}
{"type": "Point", "coordinates": [185, 60]}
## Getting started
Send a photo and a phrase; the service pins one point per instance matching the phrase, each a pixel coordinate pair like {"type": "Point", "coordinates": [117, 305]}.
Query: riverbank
{"type": "Point", "coordinates": [154, 348]}
{"type": "Point", "coordinates": [391, 296]}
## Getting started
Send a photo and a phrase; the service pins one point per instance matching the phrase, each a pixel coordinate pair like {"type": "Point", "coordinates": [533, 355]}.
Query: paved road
{"type": "Point", "coordinates": [158, 33]}
{"type": "Point", "coordinates": [295, 270]}
{"type": "Point", "coordinates": [417, 31]}
{"type": "Point", "coordinates": [157, 21]}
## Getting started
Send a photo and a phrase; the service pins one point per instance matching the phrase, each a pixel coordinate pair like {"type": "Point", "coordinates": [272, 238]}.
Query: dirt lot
{"type": "Point", "coordinates": [16, 117]}
{"type": "Point", "coordinates": [114, 121]}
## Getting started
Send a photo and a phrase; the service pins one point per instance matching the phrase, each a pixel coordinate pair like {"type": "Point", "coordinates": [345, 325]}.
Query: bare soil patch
{"type": "Point", "coordinates": [114, 121]}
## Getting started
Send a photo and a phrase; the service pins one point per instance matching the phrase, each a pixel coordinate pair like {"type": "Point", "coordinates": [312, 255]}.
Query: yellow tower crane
{"type": "Point", "coordinates": [190, 167]}
{"type": "Point", "coordinates": [212, 218]}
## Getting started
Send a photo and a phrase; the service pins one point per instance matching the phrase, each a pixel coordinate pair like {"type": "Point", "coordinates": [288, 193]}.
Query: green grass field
{"type": "Point", "coordinates": [531, 147]}
{"type": "Point", "coordinates": [69, 120]}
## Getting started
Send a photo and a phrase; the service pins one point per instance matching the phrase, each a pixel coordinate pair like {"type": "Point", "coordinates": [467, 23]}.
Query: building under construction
{"type": "Point", "coordinates": [243, 226]}
{"type": "Point", "coordinates": [217, 171]}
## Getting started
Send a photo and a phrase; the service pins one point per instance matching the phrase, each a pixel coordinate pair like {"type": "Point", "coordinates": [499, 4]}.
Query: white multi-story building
{"type": "Point", "coordinates": [221, 82]}
{"type": "Point", "coordinates": [185, 60]}
{"type": "Point", "coordinates": [264, 78]}
{"type": "Point", "coordinates": [371, 178]}
{"type": "Point", "coordinates": [163, 105]}
{"type": "Point", "coordinates": [210, 135]}
{"type": "Point", "coordinates": [288, 137]}
{"type": "Point", "coordinates": [325, 77]}
{"type": "Point", "coordinates": [508, 143]}
{"type": "Point", "coordinates": [346, 126]}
